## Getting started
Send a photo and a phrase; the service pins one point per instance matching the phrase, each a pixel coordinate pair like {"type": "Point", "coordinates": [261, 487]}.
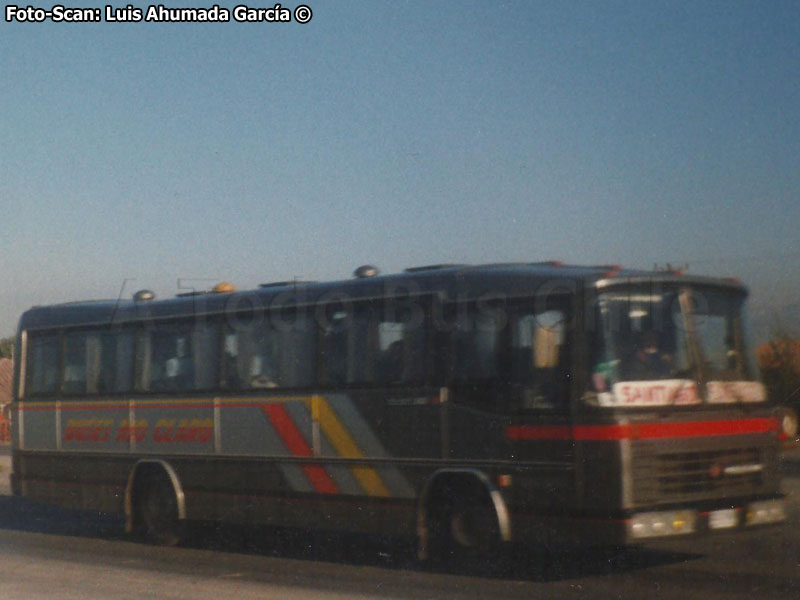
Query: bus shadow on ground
{"type": "Point", "coordinates": [19, 514]}
{"type": "Point", "coordinates": [519, 563]}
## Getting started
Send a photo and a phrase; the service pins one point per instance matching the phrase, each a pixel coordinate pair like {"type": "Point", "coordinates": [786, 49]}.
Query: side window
{"type": "Point", "coordinates": [171, 366]}
{"type": "Point", "coordinates": [177, 357]}
{"type": "Point", "coordinates": [142, 345]}
{"type": "Point", "coordinates": [347, 344]}
{"type": "Point", "coordinates": [116, 373]}
{"type": "Point", "coordinates": [76, 361]}
{"type": "Point", "coordinates": [97, 363]}
{"type": "Point", "coordinates": [333, 347]}
{"type": "Point", "coordinates": [299, 348]}
{"type": "Point", "coordinates": [251, 356]}
{"type": "Point", "coordinates": [540, 356]}
{"type": "Point", "coordinates": [43, 365]}
{"type": "Point", "coordinates": [361, 346]}
{"type": "Point", "coordinates": [205, 356]}
{"type": "Point", "coordinates": [400, 349]}
{"type": "Point", "coordinates": [475, 342]}
{"type": "Point", "coordinates": [336, 346]}
{"type": "Point", "coordinates": [93, 363]}
{"type": "Point", "coordinates": [276, 351]}
{"type": "Point", "coordinates": [390, 360]}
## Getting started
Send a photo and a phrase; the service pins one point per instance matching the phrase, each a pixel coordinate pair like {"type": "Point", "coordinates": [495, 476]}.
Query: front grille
{"type": "Point", "coordinates": [663, 476]}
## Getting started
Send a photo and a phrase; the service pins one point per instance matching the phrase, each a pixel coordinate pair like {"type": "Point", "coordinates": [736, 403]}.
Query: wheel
{"type": "Point", "coordinates": [473, 524]}
{"type": "Point", "coordinates": [157, 519]}
{"type": "Point", "coordinates": [463, 526]}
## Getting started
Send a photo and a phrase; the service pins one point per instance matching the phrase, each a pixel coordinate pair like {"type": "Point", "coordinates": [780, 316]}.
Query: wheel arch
{"type": "Point", "coordinates": [456, 477]}
{"type": "Point", "coordinates": [140, 470]}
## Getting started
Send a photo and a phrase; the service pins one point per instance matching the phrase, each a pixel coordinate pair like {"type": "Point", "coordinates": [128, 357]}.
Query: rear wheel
{"type": "Point", "coordinates": [473, 524]}
{"type": "Point", "coordinates": [463, 525]}
{"type": "Point", "coordinates": [156, 508]}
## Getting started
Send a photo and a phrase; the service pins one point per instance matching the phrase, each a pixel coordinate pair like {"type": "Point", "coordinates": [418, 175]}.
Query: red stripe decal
{"type": "Point", "coordinates": [521, 433]}
{"type": "Point", "coordinates": [642, 431]}
{"type": "Point", "coordinates": [66, 405]}
{"type": "Point", "coordinates": [297, 445]}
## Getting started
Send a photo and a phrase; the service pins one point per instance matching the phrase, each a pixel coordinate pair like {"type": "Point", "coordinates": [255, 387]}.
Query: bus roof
{"type": "Point", "coordinates": [450, 282]}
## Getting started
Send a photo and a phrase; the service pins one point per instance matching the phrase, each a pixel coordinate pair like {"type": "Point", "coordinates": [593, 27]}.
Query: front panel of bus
{"type": "Point", "coordinates": [667, 431]}
{"type": "Point", "coordinates": [673, 432]}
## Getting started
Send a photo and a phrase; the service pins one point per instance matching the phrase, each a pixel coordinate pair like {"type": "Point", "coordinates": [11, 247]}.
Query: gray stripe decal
{"type": "Point", "coordinates": [369, 444]}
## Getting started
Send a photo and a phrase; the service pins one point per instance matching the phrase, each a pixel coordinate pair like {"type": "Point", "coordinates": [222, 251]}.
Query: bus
{"type": "Point", "coordinates": [465, 407]}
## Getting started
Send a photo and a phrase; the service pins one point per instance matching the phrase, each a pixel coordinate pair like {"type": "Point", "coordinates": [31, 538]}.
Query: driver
{"type": "Point", "coordinates": [649, 361]}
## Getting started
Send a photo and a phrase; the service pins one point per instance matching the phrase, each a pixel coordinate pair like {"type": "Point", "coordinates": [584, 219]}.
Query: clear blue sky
{"type": "Point", "coordinates": [399, 133]}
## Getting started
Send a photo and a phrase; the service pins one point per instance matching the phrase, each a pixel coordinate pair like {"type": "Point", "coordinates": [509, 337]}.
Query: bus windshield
{"type": "Point", "coordinates": [690, 341]}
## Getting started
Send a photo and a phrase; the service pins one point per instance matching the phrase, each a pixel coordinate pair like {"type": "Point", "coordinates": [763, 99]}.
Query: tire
{"type": "Point", "coordinates": [156, 509]}
{"type": "Point", "coordinates": [463, 526]}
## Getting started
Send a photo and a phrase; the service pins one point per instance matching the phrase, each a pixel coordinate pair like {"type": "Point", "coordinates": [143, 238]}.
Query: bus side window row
{"type": "Point", "coordinates": [357, 346]}
{"type": "Point", "coordinates": [351, 349]}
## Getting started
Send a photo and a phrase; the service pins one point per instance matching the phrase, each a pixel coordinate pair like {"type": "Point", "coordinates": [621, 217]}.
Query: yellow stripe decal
{"type": "Point", "coordinates": [346, 446]}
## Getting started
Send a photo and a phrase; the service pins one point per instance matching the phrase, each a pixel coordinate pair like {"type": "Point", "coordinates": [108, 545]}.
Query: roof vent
{"type": "Point", "coordinates": [365, 271]}
{"type": "Point", "coordinates": [548, 263]}
{"type": "Point", "coordinates": [670, 270]}
{"type": "Point", "coordinates": [433, 267]}
{"type": "Point", "coordinates": [144, 296]}
{"type": "Point", "coordinates": [284, 283]}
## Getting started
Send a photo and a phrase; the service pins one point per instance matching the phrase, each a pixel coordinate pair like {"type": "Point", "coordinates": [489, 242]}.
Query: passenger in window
{"type": "Point", "coordinates": [179, 369]}
{"type": "Point", "coordinates": [263, 372]}
{"type": "Point", "coordinates": [604, 375]}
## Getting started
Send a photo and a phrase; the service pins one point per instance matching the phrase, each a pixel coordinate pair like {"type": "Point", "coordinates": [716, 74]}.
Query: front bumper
{"type": "Point", "coordinates": [643, 526]}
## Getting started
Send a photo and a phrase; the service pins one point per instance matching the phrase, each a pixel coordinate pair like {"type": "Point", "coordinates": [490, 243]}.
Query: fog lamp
{"type": "Point", "coordinates": [765, 512]}
{"type": "Point", "coordinates": [666, 523]}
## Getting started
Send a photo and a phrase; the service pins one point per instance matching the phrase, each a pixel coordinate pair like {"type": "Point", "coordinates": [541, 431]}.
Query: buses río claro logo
{"type": "Point", "coordinates": [165, 430]}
